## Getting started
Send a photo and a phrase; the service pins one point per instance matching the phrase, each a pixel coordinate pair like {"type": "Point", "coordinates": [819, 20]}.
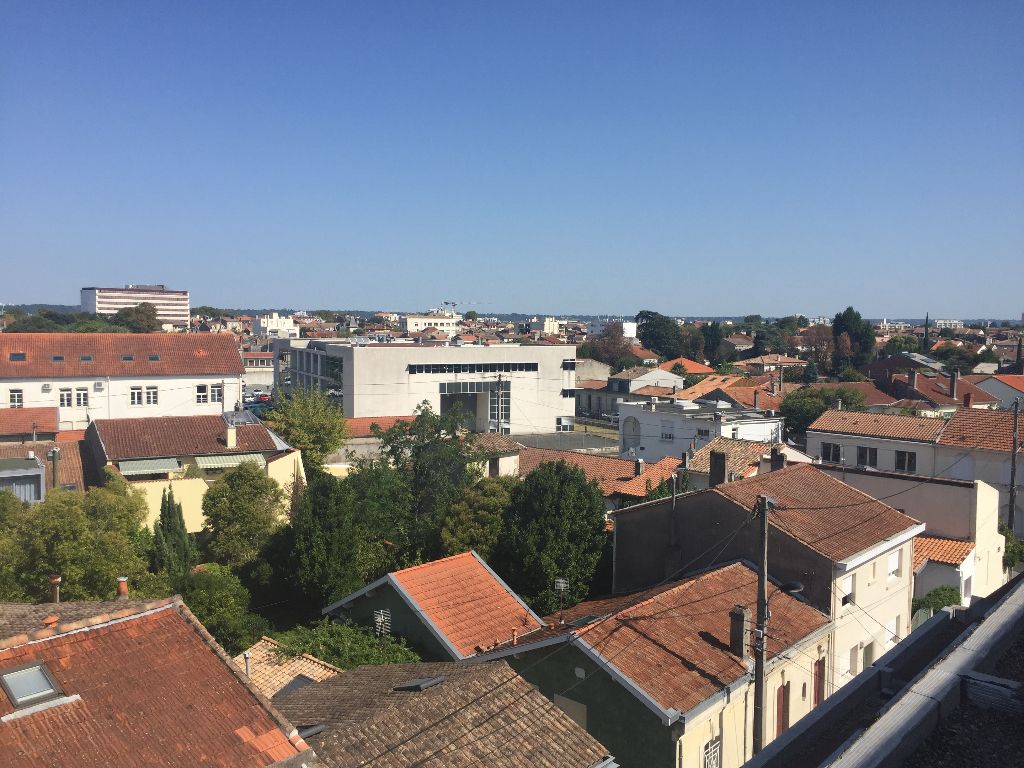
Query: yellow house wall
{"type": "Point", "coordinates": [989, 543]}
{"type": "Point", "coordinates": [286, 468]}
{"type": "Point", "coordinates": [187, 491]}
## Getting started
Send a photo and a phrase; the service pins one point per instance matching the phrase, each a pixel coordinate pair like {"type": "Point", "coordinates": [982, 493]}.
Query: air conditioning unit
{"type": "Point", "coordinates": [47, 387]}
{"type": "Point", "coordinates": [98, 386]}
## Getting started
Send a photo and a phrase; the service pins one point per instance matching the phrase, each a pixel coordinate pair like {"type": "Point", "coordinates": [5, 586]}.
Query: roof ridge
{"type": "Point", "coordinates": [468, 552]}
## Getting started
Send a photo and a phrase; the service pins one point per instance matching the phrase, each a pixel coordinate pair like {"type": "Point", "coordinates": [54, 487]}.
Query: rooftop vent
{"type": "Point", "coordinates": [420, 683]}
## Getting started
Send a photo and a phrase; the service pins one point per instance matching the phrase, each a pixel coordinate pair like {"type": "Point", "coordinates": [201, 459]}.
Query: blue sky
{"type": "Point", "coordinates": [689, 157]}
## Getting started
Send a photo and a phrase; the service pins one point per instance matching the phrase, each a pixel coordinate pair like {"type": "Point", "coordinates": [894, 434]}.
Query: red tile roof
{"type": "Point", "coordinates": [948, 551]}
{"type": "Point", "coordinates": [974, 428]}
{"type": "Point", "coordinates": [827, 515]}
{"type": "Point", "coordinates": [613, 475]}
{"type": "Point", "coordinates": [1015, 381]}
{"type": "Point", "coordinates": [691, 366]}
{"type": "Point", "coordinates": [872, 394]}
{"type": "Point", "coordinates": [936, 390]}
{"type": "Point", "coordinates": [70, 470]}
{"type": "Point", "coordinates": [591, 383]}
{"type": "Point", "coordinates": [180, 354]}
{"type": "Point", "coordinates": [897, 427]}
{"type": "Point", "coordinates": [774, 359]}
{"type": "Point", "coordinates": [271, 671]}
{"type": "Point", "coordinates": [740, 455]}
{"type": "Point", "coordinates": [177, 436]}
{"type": "Point", "coordinates": [466, 602]}
{"type": "Point", "coordinates": [360, 426]}
{"type": "Point", "coordinates": [154, 690]}
{"type": "Point", "coordinates": [21, 421]}
{"type": "Point", "coordinates": [675, 644]}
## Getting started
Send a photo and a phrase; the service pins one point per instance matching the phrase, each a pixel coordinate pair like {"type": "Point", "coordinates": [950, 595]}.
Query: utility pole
{"type": "Point", "coordinates": [760, 509]}
{"type": "Point", "coordinates": [1013, 463]}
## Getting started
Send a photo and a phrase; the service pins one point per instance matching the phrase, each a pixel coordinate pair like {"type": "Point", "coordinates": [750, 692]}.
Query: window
{"type": "Point", "coordinates": [17, 398]}
{"type": "Point", "coordinates": [216, 393]}
{"type": "Point", "coordinates": [847, 586]}
{"type": "Point", "coordinates": [85, 358]}
{"type": "Point", "coordinates": [667, 431]}
{"type": "Point", "coordinates": [58, 358]}
{"type": "Point", "coordinates": [127, 358]}
{"type": "Point", "coordinates": [565, 424]}
{"type": "Point", "coordinates": [382, 622]}
{"type": "Point", "coordinates": [906, 461]}
{"type": "Point", "coordinates": [202, 393]}
{"type": "Point", "coordinates": [65, 398]}
{"type": "Point", "coordinates": [713, 753]}
{"type": "Point", "coordinates": [136, 396]}
{"type": "Point", "coordinates": [854, 659]}
{"type": "Point", "coordinates": [82, 397]}
{"type": "Point", "coordinates": [894, 564]}
{"type": "Point", "coordinates": [892, 631]}
{"type": "Point", "coordinates": [17, 357]}
{"type": "Point", "coordinates": [151, 395]}
{"type": "Point", "coordinates": [867, 457]}
{"type": "Point", "coordinates": [703, 433]}
{"type": "Point", "coordinates": [830, 453]}
{"type": "Point", "coordinates": [819, 681]}
{"type": "Point", "coordinates": [29, 685]}
{"type": "Point", "coordinates": [781, 709]}
{"type": "Point", "coordinates": [154, 358]}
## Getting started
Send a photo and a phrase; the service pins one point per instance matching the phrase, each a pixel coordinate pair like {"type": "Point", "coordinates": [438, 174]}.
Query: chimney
{"type": "Point", "coordinates": [685, 463]}
{"type": "Point", "coordinates": [55, 588]}
{"type": "Point", "coordinates": [775, 387]}
{"type": "Point", "coordinates": [912, 378]}
{"type": "Point", "coordinates": [229, 437]}
{"type": "Point", "coordinates": [248, 666]}
{"type": "Point", "coordinates": [716, 475]}
{"type": "Point", "coordinates": [122, 588]}
{"type": "Point", "coordinates": [839, 403]}
{"type": "Point", "coordinates": [638, 467]}
{"type": "Point", "coordinates": [778, 460]}
{"type": "Point", "coordinates": [739, 632]}
{"type": "Point", "coordinates": [55, 465]}
{"type": "Point", "coordinates": [954, 380]}
{"type": "Point", "coordinates": [968, 399]}
{"type": "Point", "coordinates": [757, 397]}
{"type": "Point", "coordinates": [50, 621]}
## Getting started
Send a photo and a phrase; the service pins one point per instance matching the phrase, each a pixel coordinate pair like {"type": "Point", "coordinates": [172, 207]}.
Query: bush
{"type": "Point", "coordinates": [937, 599]}
{"type": "Point", "coordinates": [345, 645]}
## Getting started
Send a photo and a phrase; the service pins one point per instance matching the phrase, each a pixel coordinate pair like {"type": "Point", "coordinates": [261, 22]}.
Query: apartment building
{"type": "Point", "coordinates": [505, 388]}
{"type": "Point", "coordinates": [172, 307]}
{"type": "Point", "coordinates": [89, 376]}
{"type": "Point", "coordinates": [259, 370]}
{"type": "Point", "coordinates": [448, 322]}
{"type": "Point", "coordinates": [275, 326]}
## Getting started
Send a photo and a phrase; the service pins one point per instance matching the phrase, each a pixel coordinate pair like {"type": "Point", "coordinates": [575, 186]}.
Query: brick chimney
{"type": "Point", "coordinates": [739, 632]}
{"type": "Point", "coordinates": [778, 460]}
{"type": "Point", "coordinates": [122, 588]}
{"type": "Point", "coordinates": [716, 474]}
{"type": "Point", "coordinates": [757, 397]}
{"type": "Point", "coordinates": [968, 399]}
{"type": "Point", "coordinates": [954, 380]}
{"type": "Point", "coordinates": [230, 439]}
{"type": "Point", "coordinates": [638, 467]}
{"type": "Point", "coordinates": [912, 378]}
{"type": "Point", "coordinates": [55, 588]}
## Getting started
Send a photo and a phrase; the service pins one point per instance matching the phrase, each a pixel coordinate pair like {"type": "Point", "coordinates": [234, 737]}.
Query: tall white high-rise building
{"type": "Point", "coordinates": [171, 306]}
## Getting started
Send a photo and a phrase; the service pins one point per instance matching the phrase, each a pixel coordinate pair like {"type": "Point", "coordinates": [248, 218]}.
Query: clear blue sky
{"type": "Point", "coordinates": [689, 157]}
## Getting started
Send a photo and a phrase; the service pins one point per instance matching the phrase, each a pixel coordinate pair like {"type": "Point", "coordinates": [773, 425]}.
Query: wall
{"type": "Point", "coordinates": [284, 470]}
{"type": "Point", "coordinates": [187, 491]}
{"type": "Point", "coordinates": [1004, 392]}
{"type": "Point", "coordinates": [176, 396]}
{"type": "Point", "coordinates": [926, 452]}
{"type": "Point", "coordinates": [404, 622]}
{"type": "Point", "coordinates": [992, 467]}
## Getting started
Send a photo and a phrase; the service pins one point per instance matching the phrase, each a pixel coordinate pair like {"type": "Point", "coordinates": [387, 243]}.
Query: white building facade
{"type": "Point", "coordinates": [506, 388]}
{"type": "Point", "coordinates": [448, 322]}
{"type": "Point", "coordinates": [172, 307]}
{"type": "Point", "coordinates": [275, 327]}
{"type": "Point", "coordinates": [89, 376]}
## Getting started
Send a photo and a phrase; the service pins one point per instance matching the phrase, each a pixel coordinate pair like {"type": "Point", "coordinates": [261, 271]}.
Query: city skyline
{"type": "Point", "coordinates": [583, 159]}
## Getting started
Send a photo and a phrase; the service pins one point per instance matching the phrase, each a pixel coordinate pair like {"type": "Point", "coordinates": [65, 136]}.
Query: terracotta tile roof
{"type": "Point", "coordinates": [360, 426]}
{"type": "Point", "coordinates": [20, 421]}
{"type": "Point", "coordinates": [643, 354]}
{"type": "Point", "coordinates": [984, 429]}
{"type": "Point", "coordinates": [744, 396]}
{"type": "Point", "coordinates": [740, 455]}
{"type": "Point", "coordinates": [872, 394]}
{"type": "Point", "coordinates": [613, 475]}
{"type": "Point", "coordinates": [632, 373]}
{"type": "Point", "coordinates": [897, 427]}
{"type": "Point", "coordinates": [774, 359]}
{"type": "Point", "coordinates": [591, 383]}
{"type": "Point", "coordinates": [493, 444]}
{"type": "Point", "coordinates": [740, 338]}
{"type": "Point", "coordinates": [27, 618]}
{"type": "Point", "coordinates": [948, 551]}
{"type": "Point", "coordinates": [484, 611]}
{"type": "Point", "coordinates": [177, 436]}
{"type": "Point", "coordinates": [936, 390]}
{"type": "Point", "coordinates": [708, 384]}
{"type": "Point", "coordinates": [1014, 381]}
{"type": "Point", "coordinates": [155, 690]}
{"type": "Point", "coordinates": [827, 515]}
{"type": "Point", "coordinates": [691, 366]}
{"type": "Point", "coordinates": [654, 391]}
{"type": "Point", "coordinates": [181, 354]}
{"type": "Point", "coordinates": [70, 470]}
{"type": "Point", "coordinates": [675, 644]}
{"type": "Point", "coordinates": [476, 711]}
{"type": "Point", "coordinates": [270, 672]}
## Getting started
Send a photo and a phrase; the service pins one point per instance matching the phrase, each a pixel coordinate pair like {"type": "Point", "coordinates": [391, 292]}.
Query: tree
{"type": "Point", "coordinates": [693, 342]}
{"type": "Point", "coordinates": [1013, 553]}
{"type": "Point", "coordinates": [822, 346]}
{"type": "Point", "coordinates": [554, 528]}
{"type": "Point", "coordinates": [810, 372]}
{"type": "Point", "coordinates": [471, 315]}
{"type": "Point", "coordinates": [753, 320]}
{"type": "Point", "coordinates": [956, 358]}
{"type": "Point", "coordinates": [861, 336]}
{"type": "Point", "coordinates": [713, 338]}
{"type": "Point", "coordinates": [221, 602]}
{"type": "Point", "coordinates": [802, 407]}
{"type": "Point", "coordinates": [475, 519]}
{"type": "Point", "coordinates": [659, 333]}
{"type": "Point", "coordinates": [138, 319]}
{"type": "Point", "coordinates": [311, 421]}
{"type": "Point", "coordinates": [937, 599]}
{"type": "Point", "coordinates": [760, 345]}
{"type": "Point", "coordinates": [851, 374]}
{"type": "Point", "coordinates": [438, 465]}
{"type": "Point", "coordinates": [344, 645]}
{"type": "Point", "coordinates": [242, 510]}
{"type": "Point", "coordinates": [173, 551]}
{"type": "Point", "coordinates": [610, 345]}
{"type": "Point", "coordinates": [898, 344]}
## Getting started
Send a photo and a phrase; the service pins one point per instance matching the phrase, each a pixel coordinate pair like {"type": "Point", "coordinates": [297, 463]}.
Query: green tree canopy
{"type": "Point", "coordinates": [861, 336]}
{"type": "Point", "coordinates": [554, 528]}
{"type": "Point", "coordinates": [802, 407]}
{"type": "Point", "coordinates": [242, 510]}
{"type": "Point", "coordinates": [311, 421]}
{"type": "Point", "coordinates": [221, 602]}
{"type": "Point", "coordinates": [476, 518]}
{"type": "Point", "coordinates": [173, 551]}
{"type": "Point", "coordinates": [609, 346]}
{"type": "Point", "coordinates": [713, 338]}
{"type": "Point", "coordinates": [471, 315]}
{"type": "Point", "coordinates": [659, 333]}
{"type": "Point", "coordinates": [937, 599]}
{"type": "Point", "coordinates": [138, 319]}
{"type": "Point", "coordinates": [897, 344]}
{"type": "Point", "coordinates": [344, 645]}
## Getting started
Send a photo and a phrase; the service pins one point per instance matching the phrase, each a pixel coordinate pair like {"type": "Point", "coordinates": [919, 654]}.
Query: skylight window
{"type": "Point", "coordinates": [29, 685]}
{"type": "Point", "coordinates": [17, 357]}
{"type": "Point", "coordinates": [58, 358]}
{"type": "Point", "coordinates": [154, 358]}
{"type": "Point", "coordinates": [127, 358]}
{"type": "Point", "coordinates": [85, 358]}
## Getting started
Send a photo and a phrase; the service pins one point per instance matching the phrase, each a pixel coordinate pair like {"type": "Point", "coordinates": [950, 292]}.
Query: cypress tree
{"type": "Point", "coordinates": [172, 548]}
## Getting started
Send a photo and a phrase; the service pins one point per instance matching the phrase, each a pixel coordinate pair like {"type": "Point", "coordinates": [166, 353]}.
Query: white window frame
{"type": "Point", "coordinates": [202, 393]}
{"type": "Point", "coordinates": [65, 398]}
{"type": "Point", "coordinates": [216, 393]}
{"type": "Point", "coordinates": [831, 453]}
{"type": "Point", "coordinates": [135, 396]}
{"type": "Point", "coordinates": [152, 395]}
{"type": "Point", "coordinates": [16, 398]}
{"type": "Point", "coordinates": [909, 457]}
{"type": "Point", "coordinates": [81, 397]}
{"type": "Point", "coordinates": [711, 754]}
{"type": "Point", "coordinates": [893, 563]}
{"type": "Point", "coordinates": [848, 589]}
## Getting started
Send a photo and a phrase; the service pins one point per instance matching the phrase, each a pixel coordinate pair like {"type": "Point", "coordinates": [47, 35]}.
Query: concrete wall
{"type": "Point", "coordinates": [188, 492]}
{"type": "Point", "coordinates": [992, 467]}
{"type": "Point", "coordinates": [926, 452]}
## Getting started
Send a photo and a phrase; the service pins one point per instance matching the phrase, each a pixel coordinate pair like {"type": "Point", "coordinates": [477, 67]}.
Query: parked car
{"type": "Point", "coordinates": [263, 398]}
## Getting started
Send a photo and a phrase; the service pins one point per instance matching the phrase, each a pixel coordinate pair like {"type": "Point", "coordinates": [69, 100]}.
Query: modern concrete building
{"type": "Point", "coordinates": [448, 322]}
{"type": "Point", "coordinates": [276, 327]}
{"type": "Point", "coordinates": [172, 307]}
{"type": "Point", "coordinates": [506, 388]}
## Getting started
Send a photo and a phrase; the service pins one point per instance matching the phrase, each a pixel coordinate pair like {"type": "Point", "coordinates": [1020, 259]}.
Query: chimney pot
{"type": "Point", "coordinates": [912, 378]}
{"type": "Point", "coordinates": [230, 440]}
{"type": "Point", "coordinates": [757, 397]}
{"type": "Point", "coordinates": [50, 621]}
{"type": "Point", "coordinates": [638, 467]}
{"type": "Point", "coordinates": [954, 380]}
{"type": "Point", "coordinates": [55, 588]}
{"type": "Point", "coordinates": [739, 631]}
{"type": "Point", "coordinates": [122, 587]}
{"type": "Point", "coordinates": [716, 474]}
{"type": "Point", "coordinates": [778, 460]}
{"type": "Point", "coordinates": [968, 399]}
